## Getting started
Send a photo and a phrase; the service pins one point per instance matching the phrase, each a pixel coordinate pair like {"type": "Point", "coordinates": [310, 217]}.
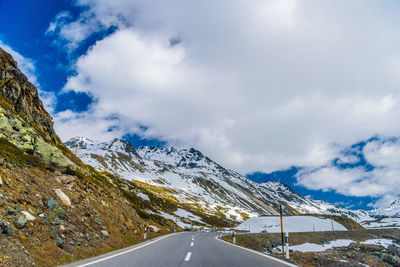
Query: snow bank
{"type": "Point", "coordinates": [380, 242]}
{"type": "Point", "coordinates": [290, 224]}
{"type": "Point", "coordinates": [311, 247]}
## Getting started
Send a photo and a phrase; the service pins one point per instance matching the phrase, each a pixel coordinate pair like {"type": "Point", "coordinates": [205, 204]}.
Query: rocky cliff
{"type": "Point", "coordinates": [53, 207]}
{"type": "Point", "coordinates": [23, 97]}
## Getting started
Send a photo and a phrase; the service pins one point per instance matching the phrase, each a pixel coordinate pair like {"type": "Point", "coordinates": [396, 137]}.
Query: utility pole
{"type": "Point", "coordinates": [282, 239]}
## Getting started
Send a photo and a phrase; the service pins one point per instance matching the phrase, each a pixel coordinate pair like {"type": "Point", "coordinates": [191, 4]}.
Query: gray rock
{"type": "Point", "coordinates": [56, 222]}
{"type": "Point", "coordinates": [56, 209]}
{"type": "Point", "coordinates": [20, 222]}
{"type": "Point", "coordinates": [57, 237]}
{"type": "Point", "coordinates": [8, 231]}
{"type": "Point", "coordinates": [51, 203]}
{"type": "Point", "coordinates": [9, 211]}
{"type": "Point", "coordinates": [393, 260]}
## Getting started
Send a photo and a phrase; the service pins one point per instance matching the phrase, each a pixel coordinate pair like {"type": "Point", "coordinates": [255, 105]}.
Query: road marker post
{"type": "Point", "coordinates": [233, 234]}
{"type": "Point", "coordinates": [145, 230]}
{"type": "Point", "coordinates": [282, 241]}
{"type": "Point", "coordinates": [287, 245]}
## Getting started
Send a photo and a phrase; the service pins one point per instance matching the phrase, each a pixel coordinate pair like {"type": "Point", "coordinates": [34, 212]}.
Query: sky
{"type": "Point", "coordinates": [257, 85]}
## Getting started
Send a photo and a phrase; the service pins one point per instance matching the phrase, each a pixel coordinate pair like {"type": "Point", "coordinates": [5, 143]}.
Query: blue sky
{"type": "Point", "coordinates": [259, 86]}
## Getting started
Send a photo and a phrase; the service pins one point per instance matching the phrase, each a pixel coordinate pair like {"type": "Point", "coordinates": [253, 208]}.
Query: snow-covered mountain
{"type": "Point", "coordinates": [393, 210]}
{"type": "Point", "coordinates": [197, 181]}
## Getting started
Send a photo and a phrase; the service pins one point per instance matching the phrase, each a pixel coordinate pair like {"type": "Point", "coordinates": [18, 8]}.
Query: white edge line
{"type": "Point", "coordinates": [126, 251]}
{"type": "Point", "coordinates": [259, 253]}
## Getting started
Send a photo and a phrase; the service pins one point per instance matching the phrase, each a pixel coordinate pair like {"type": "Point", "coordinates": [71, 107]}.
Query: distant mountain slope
{"type": "Point", "coordinates": [197, 181]}
{"type": "Point", "coordinates": [393, 210]}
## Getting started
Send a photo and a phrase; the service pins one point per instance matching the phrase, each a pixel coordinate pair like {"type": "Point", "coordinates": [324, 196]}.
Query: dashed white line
{"type": "Point", "coordinates": [188, 256]}
{"type": "Point", "coordinates": [192, 238]}
{"type": "Point", "coordinates": [191, 244]}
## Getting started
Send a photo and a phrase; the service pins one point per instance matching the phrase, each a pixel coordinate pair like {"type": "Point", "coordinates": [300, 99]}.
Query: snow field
{"type": "Point", "coordinates": [290, 224]}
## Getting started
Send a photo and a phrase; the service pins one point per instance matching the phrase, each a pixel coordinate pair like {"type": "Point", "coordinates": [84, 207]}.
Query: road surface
{"type": "Point", "coordinates": [183, 249]}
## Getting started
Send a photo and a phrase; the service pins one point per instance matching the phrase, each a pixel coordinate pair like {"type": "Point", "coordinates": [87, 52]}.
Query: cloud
{"type": "Point", "coordinates": [257, 85]}
{"type": "Point", "coordinates": [382, 181]}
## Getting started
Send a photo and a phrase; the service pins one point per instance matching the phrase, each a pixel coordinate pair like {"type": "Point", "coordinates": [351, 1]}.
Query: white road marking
{"type": "Point", "coordinates": [191, 244]}
{"type": "Point", "coordinates": [259, 253]}
{"type": "Point", "coordinates": [192, 238]}
{"type": "Point", "coordinates": [126, 251]}
{"type": "Point", "coordinates": [188, 256]}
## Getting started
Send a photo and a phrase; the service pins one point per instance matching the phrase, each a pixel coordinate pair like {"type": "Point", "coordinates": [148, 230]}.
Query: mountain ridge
{"type": "Point", "coordinates": [195, 175]}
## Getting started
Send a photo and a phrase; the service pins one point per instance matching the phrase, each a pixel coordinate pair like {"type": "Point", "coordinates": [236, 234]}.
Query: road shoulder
{"type": "Point", "coordinates": [259, 253]}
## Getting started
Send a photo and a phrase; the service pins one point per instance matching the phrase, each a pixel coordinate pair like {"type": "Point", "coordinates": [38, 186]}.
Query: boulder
{"type": "Point", "coordinates": [51, 203]}
{"type": "Point", "coordinates": [104, 233]}
{"type": "Point", "coordinates": [57, 237]}
{"type": "Point", "coordinates": [63, 197]}
{"type": "Point", "coordinates": [55, 209]}
{"type": "Point", "coordinates": [154, 228]}
{"type": "Point", "coordinates": [8, 231]}
{"type": "Point", "coordinates": [28, 216]}
{"type": "Point", "coordinates": [20, 222]}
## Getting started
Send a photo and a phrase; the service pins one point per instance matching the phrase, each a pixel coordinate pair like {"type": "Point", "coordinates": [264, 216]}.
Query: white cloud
{"type": "Point", "coordinates": [383, 181]}
{"type": "Point", "coordinates": [257, 85]}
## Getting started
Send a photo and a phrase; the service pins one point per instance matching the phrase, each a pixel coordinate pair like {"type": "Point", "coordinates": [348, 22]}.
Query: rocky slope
{"type": "Point", "coordinates": [196, 181]}
{"type": "Point", "coordinates": [53, 207]}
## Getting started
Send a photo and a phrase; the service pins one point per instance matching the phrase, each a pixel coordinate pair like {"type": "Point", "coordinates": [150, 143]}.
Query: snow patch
{"type": "Point", "coordinates": [311, 247]}
{"type": "Point", "coordinates": [271, 224]}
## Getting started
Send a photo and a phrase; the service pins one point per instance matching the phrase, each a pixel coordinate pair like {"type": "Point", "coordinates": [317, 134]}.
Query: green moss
{"type": "Point", "coordinates": [14, 155]}
{"type": "Point", "coordinates": [4, 124]}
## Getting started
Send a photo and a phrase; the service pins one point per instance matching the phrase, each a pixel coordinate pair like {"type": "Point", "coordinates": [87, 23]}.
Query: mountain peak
{"type": "Point", "coordinates": [392, 210]}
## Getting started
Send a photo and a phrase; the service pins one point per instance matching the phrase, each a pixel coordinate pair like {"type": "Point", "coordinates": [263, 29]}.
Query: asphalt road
{"type": "Point", "coordinates": [183, 249]}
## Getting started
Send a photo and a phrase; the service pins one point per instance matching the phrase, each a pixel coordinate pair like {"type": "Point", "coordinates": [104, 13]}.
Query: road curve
{"type": "Point", "coordinates": [183, 249]}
